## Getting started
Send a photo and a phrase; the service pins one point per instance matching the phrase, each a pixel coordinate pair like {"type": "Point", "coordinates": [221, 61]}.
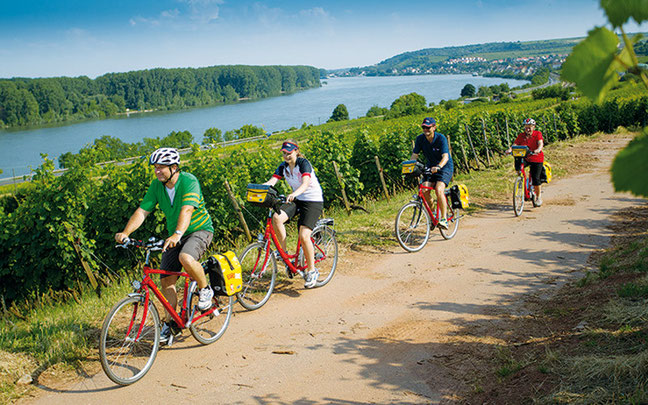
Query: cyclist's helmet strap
{"type": "Point", "coordinates": [529, 121]}
{"type": "Point", "coordinates": [165, 156]}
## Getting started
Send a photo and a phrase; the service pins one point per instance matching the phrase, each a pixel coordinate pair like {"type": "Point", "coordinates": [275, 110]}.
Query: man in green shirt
{"type": "Point", "coordinates": [188, 224]}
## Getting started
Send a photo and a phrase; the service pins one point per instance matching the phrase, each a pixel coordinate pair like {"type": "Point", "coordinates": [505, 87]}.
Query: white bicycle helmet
{"type": "Point", "coordinates": [529, 121]}
{"type": "Point", "coordinates": [165, 156]}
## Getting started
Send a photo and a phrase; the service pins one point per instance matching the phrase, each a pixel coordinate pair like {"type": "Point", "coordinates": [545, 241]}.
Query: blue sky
{"type": "Point", "coordinates": [42, 38]}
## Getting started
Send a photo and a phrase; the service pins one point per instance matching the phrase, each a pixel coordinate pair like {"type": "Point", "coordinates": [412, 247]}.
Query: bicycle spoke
{"type": "Point", "coordinates": [412, 227]}
{"type": "Point", "coordinates": [258, 280]}
{"type": "Point", "coordinates": [125, 356]}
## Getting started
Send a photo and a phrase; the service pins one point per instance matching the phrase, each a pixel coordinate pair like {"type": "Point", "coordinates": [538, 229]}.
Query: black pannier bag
{"type": "Point", "coordinates": [459, 196]}
{"type": "Point", "coordinates": [455, 197]}
{"type": "Point", "coordinates": [216, 278]}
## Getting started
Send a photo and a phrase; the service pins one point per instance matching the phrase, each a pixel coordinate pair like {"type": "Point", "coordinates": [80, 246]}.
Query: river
{"type": "Point", "coordinates": [20, 149]}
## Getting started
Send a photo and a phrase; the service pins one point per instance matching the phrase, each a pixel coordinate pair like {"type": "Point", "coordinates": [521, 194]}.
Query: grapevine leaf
{"type": "Point", "coordinates": [620, 11]}
{"type": "Point", "coordinates": [630, 161]}
{"type": "Point", "coordinates": [593, 64]}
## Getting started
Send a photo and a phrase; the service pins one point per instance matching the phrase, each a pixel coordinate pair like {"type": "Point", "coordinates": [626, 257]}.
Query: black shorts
{"type": "Point", "coordinates": [534, 167]}
{"type": "Point", "coordinates": [309, 211]}
{"type": "Point", "coordinates": [193, 244]}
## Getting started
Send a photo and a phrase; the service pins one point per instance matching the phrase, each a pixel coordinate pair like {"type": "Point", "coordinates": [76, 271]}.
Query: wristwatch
{"type": "Point", "coordinates": [178, 233]}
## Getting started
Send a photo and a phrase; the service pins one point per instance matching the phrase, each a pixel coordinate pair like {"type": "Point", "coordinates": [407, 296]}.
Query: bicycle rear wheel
{"type": "Point", "coordinates": [518, 196]}
{"type": "Point", "coordinates": [258, 280]}
{"type": "Point", "coordinates": [127, 351]}
{"type": "Point", "coordinates": [453, 222]}
{"type": "Point", "coordinates": [211, 327]}
{"type": "Point", "coordinates": [326, 250]}
{"type": "Point", "coordinates": [412, 226]}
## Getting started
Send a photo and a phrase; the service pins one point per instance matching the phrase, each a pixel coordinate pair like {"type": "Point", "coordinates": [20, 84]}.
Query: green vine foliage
{"type": "Point", "coordinates": [322, 150]}
{"type": "Point", "coordinates": [365, 149]}
{"type": "Point", "coordinates": [88, 204]}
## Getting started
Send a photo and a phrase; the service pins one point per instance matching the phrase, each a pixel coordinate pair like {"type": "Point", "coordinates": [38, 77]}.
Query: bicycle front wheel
{"type": "Point", "coordinates": [453, 222]}
{"type": "Point", "coordinates": [326, 251]}
{"type": "Point", "coordinates": [209, 327]}
{"type": "Point", "coordinates": [518, 196]}
{"type": "Point", "coordinates": [258, 280]}
{"type": "Point", "coordinates": [412, 226]}
{"type": "Point", "coordinates": [129, 342]}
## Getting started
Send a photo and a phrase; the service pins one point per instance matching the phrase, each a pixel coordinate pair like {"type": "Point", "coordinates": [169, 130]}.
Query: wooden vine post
{"type": "Point", "coordinates": [341, 181]}
{"type": "Point", "coordinates": [488, 159]}
{"type": "Point", "coordinates": [465, 158]}
{"type": "Point", "coordinates": [84, 264]}
{"type": "Point", "coordinates": [477, 161]}
{"type": "Point", "coordinates": [508, 140]}
{"type": "Point", "coordinates": [382, 177]}
{"type": "Point", "coordinates": [237, 209]}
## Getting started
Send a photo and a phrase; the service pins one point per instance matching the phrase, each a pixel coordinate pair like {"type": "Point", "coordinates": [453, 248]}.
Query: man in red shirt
{"type": "Point", "coordinates": [533, 140]}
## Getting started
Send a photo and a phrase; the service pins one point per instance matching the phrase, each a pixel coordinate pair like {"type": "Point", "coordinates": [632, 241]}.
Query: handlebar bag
{"type": "Point", "coordinates": [261, 195]}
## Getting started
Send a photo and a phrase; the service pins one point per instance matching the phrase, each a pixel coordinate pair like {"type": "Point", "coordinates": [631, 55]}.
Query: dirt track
{"type": "Point", "coordinates": [386, 329]}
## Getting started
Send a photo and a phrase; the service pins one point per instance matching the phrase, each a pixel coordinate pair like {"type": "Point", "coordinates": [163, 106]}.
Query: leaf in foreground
{"type": "Point", "coordinates": [620, 11]}
{"type": "Point", "coordinates": [593, 64]}
{"type": "Point", "coordinates": [630, 167]}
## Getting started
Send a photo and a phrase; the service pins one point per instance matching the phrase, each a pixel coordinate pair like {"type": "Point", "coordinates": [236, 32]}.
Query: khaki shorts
{"type": "Point", "coordinates": [195, 244]}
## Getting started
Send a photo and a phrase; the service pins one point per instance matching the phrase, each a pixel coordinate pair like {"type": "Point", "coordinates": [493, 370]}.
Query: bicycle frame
{"type": "Point", "coordinates": [270, 236]}
{"type": "Point", "coordinates": [523, 174]}
{"type": "Point", "coordinates": [434, 216]}
{"type": "Point", "coordinates": [183, 319]}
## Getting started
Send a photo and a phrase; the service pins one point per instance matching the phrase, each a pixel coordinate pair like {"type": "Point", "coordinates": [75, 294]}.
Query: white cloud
{"type": "Point", "coordinates": [170, 13]}
{"type": "Point", "coordinates": [316, 12]}
{"type": "Point", "coordinates": [144, 21]}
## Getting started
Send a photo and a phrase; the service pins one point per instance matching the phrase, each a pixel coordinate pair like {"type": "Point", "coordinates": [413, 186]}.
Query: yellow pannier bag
{"type": "Point", "coordinates": [546, 168]}
{"type": "Point", "coordinates": [464, 197]}
{"type": "Point", "coordinates": [459, 197]}
{"type": "Point", "coordinates": [225, 273]}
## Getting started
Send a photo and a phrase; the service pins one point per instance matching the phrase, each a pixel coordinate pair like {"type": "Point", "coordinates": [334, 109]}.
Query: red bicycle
{"type": "Point", "coordinates": [522, 188]}
{"type": "Point", "coordinates": [416, 218]}
{"type": "Point", "coordinates": [259, 261]}
{"type": "Point", "coordinates": [130, 335]}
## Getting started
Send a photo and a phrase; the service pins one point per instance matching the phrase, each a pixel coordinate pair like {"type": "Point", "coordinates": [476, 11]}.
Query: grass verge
{"type": "Point", "coordinates": [589, 342]}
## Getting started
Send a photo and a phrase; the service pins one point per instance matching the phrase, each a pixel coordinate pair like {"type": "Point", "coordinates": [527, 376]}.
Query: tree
{"type": "Point", "coordinates": [593, 66]}
{"type": "Point", "coordinates": [408, 104]}
{"type": "Point", "coordinates": [212, 135]}
{"type": "Point", "coordinates": [468, 91]}
{"type": "Point", "coordinates": [340, 113]}
{"type": "Point", "coordinates": [484, 91]}
{"type": "Point", "coordinates": [376, 111]}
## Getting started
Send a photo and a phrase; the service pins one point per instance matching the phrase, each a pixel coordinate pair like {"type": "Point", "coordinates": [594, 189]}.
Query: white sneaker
{"type": "Point", "coordinates": [310, 279]}
{"type": "Point", "coordinates": [205, 298]}
{"type": "Point", "coordinates": [443, 224]}
{"type": "Point", "coordinates": [168, 332]}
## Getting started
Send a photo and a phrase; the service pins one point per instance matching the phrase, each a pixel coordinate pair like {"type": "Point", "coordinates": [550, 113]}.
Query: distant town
{"type": "Point", "coordinates": [517, 66]}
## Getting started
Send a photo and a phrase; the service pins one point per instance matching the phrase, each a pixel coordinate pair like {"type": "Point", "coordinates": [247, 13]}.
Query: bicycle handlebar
{"type": "Point", "coordinates": [152, 244]}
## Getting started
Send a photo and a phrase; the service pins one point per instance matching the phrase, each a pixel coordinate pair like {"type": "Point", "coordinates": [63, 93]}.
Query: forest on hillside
{"type": "Point", "coordinates": [26, 101]}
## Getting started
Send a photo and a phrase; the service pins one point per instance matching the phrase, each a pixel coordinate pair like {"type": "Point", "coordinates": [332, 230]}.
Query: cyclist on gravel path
{"type": "Point", "coordinates": [188, 223]}
{"type": "Point", "coordinates": [533, 140]}
{"type": "Point", "coordinates": [435, 148]}
{"type": "Point", "coordinates": [306, 199]}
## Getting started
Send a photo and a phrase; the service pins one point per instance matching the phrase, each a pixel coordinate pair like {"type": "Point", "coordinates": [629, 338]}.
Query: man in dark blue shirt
{"type": "Point", "coordinates": [437, 152]}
